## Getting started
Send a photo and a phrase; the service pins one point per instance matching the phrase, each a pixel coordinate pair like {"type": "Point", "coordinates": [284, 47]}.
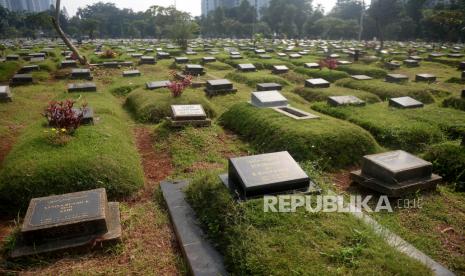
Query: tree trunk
{"type": "Point", "coordinates": [56, 24]}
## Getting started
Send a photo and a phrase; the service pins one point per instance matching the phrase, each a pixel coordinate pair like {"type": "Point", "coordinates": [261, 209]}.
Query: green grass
{"type": "Point", "coordinates": [8, 69]}
{"type": "Point", "coordinates": [318, 95]}
{"type": "Point", "coordinates": [269, 63]}
{"type": "Point", "coordinates": [449, 161]}
{"type": "Point", "coordinates": [358, 69]}
{"type": "Point", "coordinates": [257, 243]}
{"type": "Point", "coordinates": [386, 90]}
{"type": "Point", "coordinates": [412, 130]}
{"type": "Point", "coordinates": [329, 75]}
{"type": "Point", "coordinates": [330, 142]}
{"type": "Point", "coordinates": [153, 106]}
{"type": "Point", "coordinates": [253, 78]}
{"type": "Point", "coordinates": [102, 155]}
{"type": "Point", "coordinates": [453, 102]}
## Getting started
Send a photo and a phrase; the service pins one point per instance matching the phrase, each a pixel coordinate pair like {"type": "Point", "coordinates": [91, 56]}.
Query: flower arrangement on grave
{"type": "Point", "coordinates": [177, 86]}
{"type": "Point", "coordinates": [329, 63]}
{"type": "Point", "coordinates": [108, 54]}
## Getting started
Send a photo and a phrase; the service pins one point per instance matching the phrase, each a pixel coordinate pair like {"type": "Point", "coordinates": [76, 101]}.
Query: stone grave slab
{"type": "Point", "coordinates": [87, 115]}
{"type": "Point", "coordinates": [392, 65]}
{"type": "Point", "coordinates": [425, 78]}
{"type": "Point", "coordinates": [136, 55]}
{"type": "Point", "coordinates": [361, 77]}
{"type": "Point", "coordinates": [19, 79]}
{"type": "Point", "coordinates": [260, 51]}
{"type": "Point", "coordinates": [219, 87]}
{"type": "Point", "coordinates": [68, 64]}
{"type": "Point", "coordinates": [12, 57]}
{"type": "Point", "coordinates": [111, 64]}
{"type": "Point", "coordinates": [36, 59]}
{"type": "Point", "coordinates": [126, 63]}
{"type": "Point", "coordinates": [282, 55]}
{"type": "Point", "coordinates": [295, 56]}
{"type": "Point", "coordinates": [411, 63]}
{"type": "Point", "coordinates": [345, 101]}
{"type": "Point", "coordinates": [280, 69]}
{"type": "Point", "coordinates": [181, 60]}
{"type": "Point", "coordinates": [317, 83]}
{"type": "Point", "coordinates": [312, 65]}
{"type": "Point", "coordinates": [266, 174]}
{"type": "Point", "coordinates": [194, 70]}
{"type": "Point", "coordinates": [268, 99]}
{"type": "Point", "coordinates": [396, 78]}
{"type": "Point", "coordinates": [82, 87]}
{"type": "Point", "coordinates": [188, 115]}
{"type": "Point", "coordinates": [131, 73]}
{"type": "Point", "coordinates": [81, 74]}
{"type": "Point", "coordinates": [343, 62]}
{"type": "Point", "coordinates": [395, 173]}
{"type": "Point", "coordinates": [68, 221]}
{"type": "Point", "coordinates": [147, 60]}
{"type": "Point", "coordinates": [235, 57]}
{"type": "Point", "coordinates": [28, 68]}
{"type": "Point", "coordinates": [208, 59]}
{"type": "Point", "coordinates": [246, 67]}
{"type": "Point", "coordinates": [163, 55]}
{"type": "Point", "coordinates": [295, 113]}
{"type": "Point", "coordinates": [265, 57]}
{"type": "Point", "coordinates": [269, 87]}
{"type": "Point", "coordinates": [157, 84]}
{"type": "Point", "coordinates": [5, 94]}
{"type": "Point", "coordinates": [405, 102]}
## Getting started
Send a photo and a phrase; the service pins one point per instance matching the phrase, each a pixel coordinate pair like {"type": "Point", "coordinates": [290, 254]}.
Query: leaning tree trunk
{"type": "Point", "coordinates": [56, 23]}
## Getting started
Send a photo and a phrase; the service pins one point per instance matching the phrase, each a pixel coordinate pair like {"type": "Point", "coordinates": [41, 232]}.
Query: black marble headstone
{"type": "Point", "coordinates": [194, 70]}
{"type": "Point", "coordinates": [181, 60]}
{"type": "Point", "coordinates": [21, 79]}
{"type": "Point", "coordinates": [131, 73]}
{"type": "Point", "coordinates": [396, 78]}
{"type": "Point", "coordinates": [81, 74]}
{"type": "Point", "coordinates": [82, 87]}
{"type": "Point", "coordinates": [157, 84]}
{"type": "Point", "coordinates": [246, 67]}
{"type": "Point", "coordinates": [425, 77]}
{"type": "Point", "coordinates": [269, 87]}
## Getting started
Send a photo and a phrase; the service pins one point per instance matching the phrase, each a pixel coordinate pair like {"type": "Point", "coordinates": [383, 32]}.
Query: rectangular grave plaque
{"type": "Point", "coordinates": [268, 99]}
{"type": "Point", "coordinates": [269, 87]}
{"type": "Point", "coordinates": [317, 83]}
{"type": "Point", "coordinates": [267, 174]}
{"type": "Point", "coordinates": [188, 112]}
{"type": "Point", "coordinates": [405, 102]}
{"type": "Point", "coordinates": [69, 215]}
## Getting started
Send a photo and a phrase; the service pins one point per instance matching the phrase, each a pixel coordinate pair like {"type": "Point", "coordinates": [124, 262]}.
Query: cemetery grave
{"type": "Point", "coordinates": [104, 151]}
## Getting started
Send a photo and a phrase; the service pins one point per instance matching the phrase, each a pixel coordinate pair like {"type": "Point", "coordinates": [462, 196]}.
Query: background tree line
{"type": "Point", "coordinates": [384, 19]}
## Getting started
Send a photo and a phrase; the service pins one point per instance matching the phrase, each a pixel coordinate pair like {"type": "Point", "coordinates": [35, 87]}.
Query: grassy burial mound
{"type": "Point", "coordinates": [368, 70]}
{"type": "Point", "coordinates": [329, 75]}
{"type": "Point", "coordinates": [154, 106]}
{"type": "Point", "coordinates": [8, 69]}
{"type": "Point", "coordinates": [99, 155]}
{"type": "Point", "coordinates": [255, 242]}
{"type": "Point", "coordinates": [253, 78]}
{"type": "Point", "coordinates": [330, 142]}
{"type": "Point", "coordinates": [386, 90]}
{"type": "Point", "coordinates": [412, 130]}
{"type": "Point", "coordinates": [318, 95]}
{"type": "Point", "coordinates": [449, 161]}
{"type": "Point", "coordinates": [269, 63]}
{"type": "Point", "coordinates": [454, 102]}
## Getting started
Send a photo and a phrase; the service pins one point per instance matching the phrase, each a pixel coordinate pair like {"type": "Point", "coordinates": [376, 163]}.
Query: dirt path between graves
{"type": "Point", "coordinates": [149, 245]}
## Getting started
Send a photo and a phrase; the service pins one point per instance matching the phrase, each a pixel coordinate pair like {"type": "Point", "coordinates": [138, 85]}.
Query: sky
{"type": "Point", "coordinates": [191, 6]}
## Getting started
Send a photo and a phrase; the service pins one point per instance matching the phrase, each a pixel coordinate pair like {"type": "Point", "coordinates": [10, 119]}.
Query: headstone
{"type": "Point", "coordinates": [68, 221]}
{"type": "Point", "coordinates": [435, 55]}
{"type": "Point", "coordinates": [68, 64]}
{"type": "Point", "coordinates": [269, 87]}
{"type": "Point", "coordinates": [181, 60]}
{"type": "Point", "coordinates": [392, 65]}
{"type": "Point", "coordinates": [194, 70]}
{"type": "Point", "coordinates": [295, 56]}
{"type": "Point", "coordinates": [345, 101]}
{"type": "Point", "coordinates": [462, 65]}
{"type": "Point", "coordinates": [266, 174]}
{"type": "Point", "coordinates": [235, 56]}
{"type": "Point", "coordinates": [131, 73]}
{"type": "Point", "coordinates": [12, 57]}
{"type": "Point", "coordinates": [361, 77]}
{"type": "Point", "coordinates": [81, 74]}
{"type": "Point", "coordinates": [219, 87]}
{"type": "Point", "coordinates": [317, 83]}
{"type": "Point", "coordinates": [455, 55]}
{"type": "Point", "coordinates": [405, 102]}
{"type": "Point", "coordinates": [411, 63]}
{"type": "Point", "coordinates": [208, 59]}
{"type": "Point", "coordinates": [425, 77]}
{"type": "Point", "coordinates": [343, 62]}
{"type": "Point", "coordinates": [111, 64]}
{"type": "Point", "coordinates": [136, 55]}
{"type": "Point", "coordinates": [147, 60]}
{"type": "Point", "coordinates": [185, 115]}
{"type": "Point", "coordinates": [82, 87]}
{"type": "Point", "coordinates": [265, 57]}
{"type": "Point", "coordinates": [157, 84]}
{"type": "Point", "coordinates": [87, 115]}
{"type": "Point", "coordinates": [280, 69]}
{"type": "Point", "coordinates": [163, 55]}
{"type": "Point", "coordinates": [246, 67]}
{"type": "Point", "coordinates": [268, 99]}
{"type": "Point", "coordinates": [126, 63]}
{"type": "Point", "coordinates": [396, 78]}
{"type": "Point", "coordinates": [395, 173]}
{"type": "Point", "coordinates": [5, 94]}
{"type": "Point", "coordinates": [21, 79]}
{"type": "Point", "coordinates": [312, 65]}
{"type": "Point", "coordinates": [28, 68]}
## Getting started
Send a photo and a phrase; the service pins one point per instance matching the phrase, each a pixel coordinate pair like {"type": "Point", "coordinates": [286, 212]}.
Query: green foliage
{"type": "Point", "coordinates": [8, 69]}
{"type": "Point", "coordinates": [449, 161]}
{"type": "Point", "coordinates": [357, 69]}
{"type": "Point", "coordinates": [253, 78]}
{"type": "Point", "coordinates": [154, 106]}
{"type": "Point", "coordinates": [386, 90]}
{"type": "Point", "coordinates": [329, 75]}
{"type": "Point", "coordinates": [332, 143]}
{"type": "Point", "coordinates": [453, 102]}
{"type": "Point", "coordinates": [412, 130]}
{"type": "Point", "coordinates": [255, 242]}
